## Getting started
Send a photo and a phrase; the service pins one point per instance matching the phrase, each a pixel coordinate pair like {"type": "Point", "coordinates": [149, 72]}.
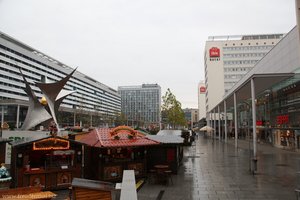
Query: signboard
{"type": "Point", "coordinates": [259, 123]}
{"type": "Point", "coordinates": [282, 119]}
{"type": "Point", "coordinates": [202, 89]}
{"type": "Point", "coordinates": [20, 135]}
{"type": "Point", "coordinates": [51, 143]}
{"type": "Point", "coordinates": [214, 52]}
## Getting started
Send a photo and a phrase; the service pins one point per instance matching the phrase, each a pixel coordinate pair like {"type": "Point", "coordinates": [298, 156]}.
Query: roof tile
{"type": "Point", "coordinates": [102, 138]}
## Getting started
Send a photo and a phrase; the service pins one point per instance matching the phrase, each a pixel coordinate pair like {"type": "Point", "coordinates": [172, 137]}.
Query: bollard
{"type": "Point", "coordinates": [254, 165]}
{"type": "Point", "coordinates": [298, 180]}
{"type": "Point", "coordinates": [297, 191]}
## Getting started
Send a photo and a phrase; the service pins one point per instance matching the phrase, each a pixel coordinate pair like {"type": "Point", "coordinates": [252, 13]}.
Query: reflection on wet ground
{"type": "Point", "coordinates": [214, 170]}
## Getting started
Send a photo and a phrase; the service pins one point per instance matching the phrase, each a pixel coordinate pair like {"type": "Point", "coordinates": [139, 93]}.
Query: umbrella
{"type": "Point", "coordinates": [195, 129]}
{"type": "Point", "coordinates": [206, 128]}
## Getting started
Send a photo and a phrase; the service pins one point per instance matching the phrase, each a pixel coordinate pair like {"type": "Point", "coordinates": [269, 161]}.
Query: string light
{"type": "Point", "coordinates": [48, 144]}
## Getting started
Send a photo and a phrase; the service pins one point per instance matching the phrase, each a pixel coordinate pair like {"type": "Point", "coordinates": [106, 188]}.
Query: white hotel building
{"type": "Point", "coordinates": [228, 58]}
{"type": "Point", "coordinates": [201, 100]}
{"type": "Point", "coordinates": [92, 101]}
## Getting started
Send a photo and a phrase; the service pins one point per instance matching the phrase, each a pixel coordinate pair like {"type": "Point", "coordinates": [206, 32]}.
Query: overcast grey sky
{"type": "Point", "coordinates": [131, 42]}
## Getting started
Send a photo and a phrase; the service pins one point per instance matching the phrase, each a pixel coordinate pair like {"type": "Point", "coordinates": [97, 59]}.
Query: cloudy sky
{"type": "Point", "coordinates": [131, 42]}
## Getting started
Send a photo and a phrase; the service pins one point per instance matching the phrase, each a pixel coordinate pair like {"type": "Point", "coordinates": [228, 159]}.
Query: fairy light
{"type": "Point", "coordinates": [48, 144]}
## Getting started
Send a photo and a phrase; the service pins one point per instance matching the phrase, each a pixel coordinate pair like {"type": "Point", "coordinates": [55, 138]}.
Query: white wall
{"type": "Point", "coordinates": [201, 102]}
{"type": "Point", "coordinates": [214, 76]}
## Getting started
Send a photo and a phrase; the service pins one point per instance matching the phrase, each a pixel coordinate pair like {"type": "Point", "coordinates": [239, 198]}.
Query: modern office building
{"type": "Point", "coordinates": [191, 116]}
{"type": "Point", "coordinates": [141, 104]}
{"type": "Point", "coordinates": [265, 103]}
{"type": "Point", "coordinates": [228, 58]}
{"type": "Point", "coordinates": [201, 100]}
{"type": "Point", "coordinates": [92, 102]}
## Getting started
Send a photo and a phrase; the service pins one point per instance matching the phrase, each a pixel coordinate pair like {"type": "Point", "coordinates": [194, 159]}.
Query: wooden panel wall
{"type": "Point", "coordinates": [83, 193]}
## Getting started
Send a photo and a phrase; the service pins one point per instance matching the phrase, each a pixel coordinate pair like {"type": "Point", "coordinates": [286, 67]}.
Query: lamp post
{"type": "Point", "coordinates": [248, 131]}
{"type": "Point", "coordinates": [106, 118]}
{"type": "Point", "coordinates": [222, 118]}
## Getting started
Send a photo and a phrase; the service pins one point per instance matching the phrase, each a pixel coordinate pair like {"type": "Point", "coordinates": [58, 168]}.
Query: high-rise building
{"type": "Point", "coordinates": [141, 104]}
{"type": "Point", "coordinates": [201, 100]}
{"type": "Point", "coordinates": [191, 116]}
{"type": "Point", "coordinates": [92, 100]}
{"type": "Point", "coordinates": [228, 58]}
{"type": "Point", "coordinates": [265, 103]}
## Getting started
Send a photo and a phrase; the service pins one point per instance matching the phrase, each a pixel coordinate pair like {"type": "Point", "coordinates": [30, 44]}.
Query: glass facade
{"type": "Point", "coordinates": [277, 115]}
{"type": "Point", "coordinates": [141, 104]}
{"type": "Point", "coordinates": [91, 98]}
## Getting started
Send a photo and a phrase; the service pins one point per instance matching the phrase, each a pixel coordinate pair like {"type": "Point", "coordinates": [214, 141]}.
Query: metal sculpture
{"type": "Point", "coordinates": [36, 113]}
{"type": "Point", "coordinates": [51, 91]}
{"type": "Point", "coordinates": [54, 95]}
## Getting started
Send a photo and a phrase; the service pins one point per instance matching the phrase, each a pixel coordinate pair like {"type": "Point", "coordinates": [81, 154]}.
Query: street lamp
{"type": "Point", "coordinates": [222, 118]}
{"type": "Point", "coordinates": [247, 110]}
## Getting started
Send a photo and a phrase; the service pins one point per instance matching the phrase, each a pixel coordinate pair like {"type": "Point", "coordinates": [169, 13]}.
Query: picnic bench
{"type": "Point", "coordinates": [92, 190]}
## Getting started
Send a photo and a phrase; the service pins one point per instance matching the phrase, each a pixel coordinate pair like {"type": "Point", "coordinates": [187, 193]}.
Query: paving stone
{"type": "Point", "coordinates": [222, 172]}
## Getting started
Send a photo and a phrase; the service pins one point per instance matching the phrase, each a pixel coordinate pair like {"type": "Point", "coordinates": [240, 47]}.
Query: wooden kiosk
{"type": "Point", "coordinates": [169, 153]}
{"type": "Point", "coordinates": [50, 162]}
{"type": "Point", "coordinates": [110, 151]}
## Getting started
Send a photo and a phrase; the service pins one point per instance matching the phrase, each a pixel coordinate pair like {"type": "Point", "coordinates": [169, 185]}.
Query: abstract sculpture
{"type": "Point", "coordinates": [54, 94]}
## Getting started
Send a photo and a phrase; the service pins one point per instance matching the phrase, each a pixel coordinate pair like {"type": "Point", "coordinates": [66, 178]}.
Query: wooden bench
{"type": "Point", "coordinates": [26, 193]}
{"type": "Point", "coordinates": [91, 189]}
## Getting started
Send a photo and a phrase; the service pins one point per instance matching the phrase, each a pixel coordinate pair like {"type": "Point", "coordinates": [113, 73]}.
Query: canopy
{"type": "Point", "coordinates": [206, 128]}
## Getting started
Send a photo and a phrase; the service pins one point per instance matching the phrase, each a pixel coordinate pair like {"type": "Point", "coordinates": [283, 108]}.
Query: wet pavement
{"type": "Point", "coordinates": [214, 170]}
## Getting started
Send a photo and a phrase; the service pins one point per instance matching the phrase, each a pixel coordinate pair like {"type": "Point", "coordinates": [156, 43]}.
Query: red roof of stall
{"type": "Point", "coordinates": [105, 137]}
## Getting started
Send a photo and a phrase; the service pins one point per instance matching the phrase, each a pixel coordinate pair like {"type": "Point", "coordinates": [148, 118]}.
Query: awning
{"type": "Point", "coordinates": [262, 82]}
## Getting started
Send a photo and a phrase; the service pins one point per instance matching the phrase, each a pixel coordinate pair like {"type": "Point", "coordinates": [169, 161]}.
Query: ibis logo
{"type": "Point", "coordinates": [202, 90]}
{"type": "Point", "coordinates": [214, 52]}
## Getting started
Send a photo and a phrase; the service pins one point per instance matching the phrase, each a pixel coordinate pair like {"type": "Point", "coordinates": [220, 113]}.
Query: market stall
{"type": "Point", "coordinates": [110, 151]}
{"type": "Point", "coordinates": [50, 162]}
{"type": "Point", "coordinates": [168, 153]}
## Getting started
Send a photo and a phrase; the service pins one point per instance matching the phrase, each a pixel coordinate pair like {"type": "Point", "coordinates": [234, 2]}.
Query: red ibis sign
{"type": "Point", "coordinates": [214, 52]}
{"type": "Point", "coordinates": [259, 123]}
{"type": "Point", "coordinates": [282, 119]}
{"type": "Point", "coordinates": [202, 89]}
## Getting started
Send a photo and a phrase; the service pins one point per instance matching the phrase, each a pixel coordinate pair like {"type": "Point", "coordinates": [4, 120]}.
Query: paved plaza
{"type": "Point", "coordinates": [214, 170]}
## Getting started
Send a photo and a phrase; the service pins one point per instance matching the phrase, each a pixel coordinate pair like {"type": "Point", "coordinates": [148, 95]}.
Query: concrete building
{"type": "Point", "coordinates": [265, 102]}
{"type": "Point", "coordinates": [201, 100]}
{"type": "Point", "coordinates": [191, 116]}
{"type": "Point", "coordinates": [141, 104]}
{"type": "Point", "coordinates": [228, 58]}
{"type": "Point", "coordinates": [92, 101]}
